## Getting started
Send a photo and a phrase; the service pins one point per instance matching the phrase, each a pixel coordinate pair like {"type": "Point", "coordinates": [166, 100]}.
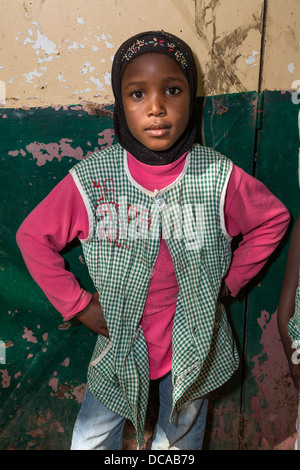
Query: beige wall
{"type": "Point", "coordinates": [55, 52]}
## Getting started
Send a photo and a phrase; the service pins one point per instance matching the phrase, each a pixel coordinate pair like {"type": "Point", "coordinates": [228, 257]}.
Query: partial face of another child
{"type": "Point", "coordinates": [156, 100]}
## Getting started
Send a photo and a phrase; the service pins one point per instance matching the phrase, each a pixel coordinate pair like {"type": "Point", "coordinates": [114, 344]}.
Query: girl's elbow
{"type": "Point", "coordinates": [22, 234]}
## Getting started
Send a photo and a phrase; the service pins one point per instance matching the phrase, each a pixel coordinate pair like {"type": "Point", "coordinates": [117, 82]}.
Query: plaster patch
{"type": "Point", "coordinates": [109, 45]}
{"type": "Point", "coordinates": [75, 45]}
{"type": "Point", "coordinates": [251, 59]}
{"type": "Point", "coordinates": [28, 334]}
{"type": "Point", "coordinates": [42, 43]}
{"type": "Point", "coordinates": [97, 82]}
{"type": "Point", "coordinates": [78, 393]}
{"type": "Point", "coordinates": [60, 78]}
{"type": "Point", "coordinates": [291, 67]}
{"type": "Point", "coordinates": [86, 67]}
{"type": "Point", "coordinates": [47, 152]}
{"type": "Point", "coordinates": [30, 75]}
{"type": "Point", "coordinates": [45, 59]}
{"type": "Point", "coordinates": [6, 378]}
{"type": "Point", "coordinates": [57, 426]}
{"type": "Point", "coordinates": [2, 93]}
{"type": "Point", "coordinates": [53, 383]}
{"type": "Point", "coordinates": [107, 78]}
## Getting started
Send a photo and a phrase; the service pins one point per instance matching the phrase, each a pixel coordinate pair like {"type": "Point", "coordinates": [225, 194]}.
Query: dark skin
{"type": "Point", "coordinates": [286, 307]}
{"type": "Point", "coordinates": [155, 95]}
{"type": "Point", "coordinates": [156, 98]}
{"type": "Point", "coordinates": [93, 318]}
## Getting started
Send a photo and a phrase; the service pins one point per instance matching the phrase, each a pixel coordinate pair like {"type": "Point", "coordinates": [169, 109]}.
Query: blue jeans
{"type": "Point", "coordinates": [98, 428]}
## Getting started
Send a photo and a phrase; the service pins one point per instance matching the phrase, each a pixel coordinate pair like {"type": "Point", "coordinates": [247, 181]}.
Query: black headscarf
{"type": "Point", "coordinates": [172, 46]}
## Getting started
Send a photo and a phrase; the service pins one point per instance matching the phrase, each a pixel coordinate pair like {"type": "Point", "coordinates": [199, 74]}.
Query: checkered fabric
{"type": "Point", "coordinates": [294, 323]}
{"type": "Point", "coordinates": [126, 224]}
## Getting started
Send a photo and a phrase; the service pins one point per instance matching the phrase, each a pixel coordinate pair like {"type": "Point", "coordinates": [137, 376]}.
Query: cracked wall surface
{"type": "Point", "coordinates": [56, 52]}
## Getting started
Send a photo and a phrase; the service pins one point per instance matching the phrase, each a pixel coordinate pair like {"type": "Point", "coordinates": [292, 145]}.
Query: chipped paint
{"type": "Point", "coordinates": [227, 45]}
{"type": "Point", "coordinates": [291, 67]}
{"type": "Point", "coordinates": [41, 43]}
{"type": "Point", "coordinates": [251, 59]}
{"type": "Point", "coordinates": [66, 391]}
{"type": "Point", "coordinates": [274, 406]}
{"type": "Point", "coordinates": [59, 48]}
{"type": "Point", "coordinates": [5, 382]}
{"type": "Point", "coordinates": [66, 362]}
{"type": "Point", "coordinates": [2, 93]}
{"type": "Point", "coordinates": [43, 153]}
{"type": "Point", "coordinates": [53, 383]}
{"type": "Point", "coordinates": [28, 334]}
{"type": "Point", "coordinates": [38, 429]}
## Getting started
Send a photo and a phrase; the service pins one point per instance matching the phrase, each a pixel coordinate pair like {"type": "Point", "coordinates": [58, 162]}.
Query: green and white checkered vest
{"type": "Point", "coordinates": [126, 223]}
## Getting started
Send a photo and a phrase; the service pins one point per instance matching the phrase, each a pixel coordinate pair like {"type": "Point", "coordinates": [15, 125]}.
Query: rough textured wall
{"type": "Point", "coordinates": [281, 48]}
{"type": "Point", "coordinates": [55, 52]}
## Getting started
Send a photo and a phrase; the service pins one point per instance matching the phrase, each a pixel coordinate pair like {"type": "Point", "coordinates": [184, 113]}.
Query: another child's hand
{"type": "Point", "coordinates": [93, 318]}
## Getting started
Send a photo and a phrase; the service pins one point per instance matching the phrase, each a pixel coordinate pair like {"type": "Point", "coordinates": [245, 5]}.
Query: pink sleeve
{"type": "Point", "coordinates": [253, 211]}
{"type": "Point", "coordinates": [56, 221]}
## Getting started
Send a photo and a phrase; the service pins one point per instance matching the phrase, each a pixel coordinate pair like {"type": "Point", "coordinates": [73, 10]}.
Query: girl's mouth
{"type": "Point", "coordinates": [157, 130]}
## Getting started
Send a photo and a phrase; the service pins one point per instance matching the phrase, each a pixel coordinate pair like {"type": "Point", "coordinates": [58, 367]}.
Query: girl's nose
{"type": "Point", "coordinates": [156, 106]}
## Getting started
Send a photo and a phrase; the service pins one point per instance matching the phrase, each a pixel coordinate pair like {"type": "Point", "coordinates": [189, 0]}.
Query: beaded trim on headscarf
{"type": "Point", "coordinates": [136, 47]}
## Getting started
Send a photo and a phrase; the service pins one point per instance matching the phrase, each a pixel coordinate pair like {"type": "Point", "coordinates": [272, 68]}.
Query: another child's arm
{"type": "Point", "coordinates": [286, 307]}
{"type": "Point", "coordinates": [56, 221]}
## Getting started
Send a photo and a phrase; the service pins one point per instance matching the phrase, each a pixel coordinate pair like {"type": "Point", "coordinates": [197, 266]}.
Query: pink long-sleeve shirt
{"type": "Point", "coordinates": [250, 209]}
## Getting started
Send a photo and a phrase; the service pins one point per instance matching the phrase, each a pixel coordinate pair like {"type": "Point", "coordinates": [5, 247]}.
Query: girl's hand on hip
{"type": "Point", "coordinates": [93, 318]}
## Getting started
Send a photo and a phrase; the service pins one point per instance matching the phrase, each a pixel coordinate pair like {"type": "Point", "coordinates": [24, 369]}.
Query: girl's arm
{"type": "Point", "coordinates": [56, 221]}
{"type": "Point", "coordinates": [286, 307]}
{"type": "Point", "coordinates": [252, 211]}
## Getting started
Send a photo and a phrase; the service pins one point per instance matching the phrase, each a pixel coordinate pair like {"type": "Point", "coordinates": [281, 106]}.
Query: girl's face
{"type": "Point", "coordinates": [156, 100]}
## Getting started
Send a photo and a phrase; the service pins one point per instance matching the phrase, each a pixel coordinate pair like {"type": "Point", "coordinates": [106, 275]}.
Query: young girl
{"type": "Point", "coordinates": [156, 214]}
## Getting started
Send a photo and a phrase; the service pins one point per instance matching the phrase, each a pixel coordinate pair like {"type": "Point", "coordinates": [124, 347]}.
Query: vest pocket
{"type": "Point", "coordinates": [106, 349]}
{"type": "Point", "coordinates": [102, 361]}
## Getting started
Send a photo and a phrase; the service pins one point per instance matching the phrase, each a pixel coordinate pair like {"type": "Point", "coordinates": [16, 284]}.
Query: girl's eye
{"type": "Point", "coordinates": [138, 94]}
{"type": "Point", "coordinates": [174, 90]}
